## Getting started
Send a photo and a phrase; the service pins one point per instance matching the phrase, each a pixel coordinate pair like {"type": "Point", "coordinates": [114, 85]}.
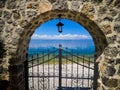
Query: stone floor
{"type": "Point", "coordinates": [38, 82]}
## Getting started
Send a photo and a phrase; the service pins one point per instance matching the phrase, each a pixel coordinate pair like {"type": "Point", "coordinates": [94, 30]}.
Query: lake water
{"type": "Point", "coordinates": [84, 47]}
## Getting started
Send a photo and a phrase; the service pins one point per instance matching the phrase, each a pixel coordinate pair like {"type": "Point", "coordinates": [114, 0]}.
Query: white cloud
{"type": "Point", "coordinates": [61, 36]}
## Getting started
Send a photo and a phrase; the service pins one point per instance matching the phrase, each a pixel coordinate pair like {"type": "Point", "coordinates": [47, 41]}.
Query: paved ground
{"type": "Point", "coordinates": [70, 71]}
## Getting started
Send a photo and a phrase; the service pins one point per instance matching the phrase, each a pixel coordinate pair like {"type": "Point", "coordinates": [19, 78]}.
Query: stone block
{"type": "Point", "coordinates": [98, 1]}
{"type": "Point", "coordinates": [11, 4]}
{"type": "Point", "coordinates": [16, 79]}
{"type": "Point", "coordinates": [117, 28]}
{"type": "Point", "coordinates": [32, 0]}
{"type": "Point", "coordinates": [118, 18]}
{"type": "Point", "coordinates": [2, 22]}
{"type": "Point", "coordinates": [90, 16]}
{"type": "Point", "coordinates": [112, 12]}
{"type": "Point", "coordinates": [111, 61]}
{"type": "Point", "coordinates": [16, 15]}
{"type": "Point", "coordinates": [75, 5]}
{"type": "Point", "coordinates": [7, 15]}
{"type": "Point", "coordinates": [19, 31]}
{"type": "Point", "coordinates": [88, 8]}
{"type": "Point", "coordinates": [117, 2]}
{"type": "Point", "coordinates": [32, 5]}
{"type": "Point", "coordinates": [52, 1]}
{"type": "Point", "coordinates": [31, 13]}
{"type": "Point", "coordinates": [111, 40]}
{"type": "Point", "coordinates": [13, 88]}
{"type": "Point", "coordinates": [110, 70]}
{"type": "Point", "coordinates": [118, 71]}
{"type": "Point", "coordinates": [111, 83]}
{"type": "Point", "coordinates": [0, 13]}
{"type": "Point", "coordinates": [13, 69]}
{"type": "Point", "coordinates": [4, 84]}
{"type": "Point", "coordinates": [15, 41]}
{"type": "Point", "coordinates": [44, 6]}
{"type": "Point", "coordinates": [18, 87]}
{"type": "Point", "coordinates": [1, 69]}
{"type": "Point", "coordinates": [10, 21]}
{"type": "Point", "coordinates": [102, 10]}
{"type": "Point", "coordinates": [12, 50]}
{"type": "Point", "coordinates": [63, 5]}
{"type": "Point", "coordinates": [114, 51]}
{"type": "Point", "coordinates": [2, 3]}
{"type": "Point", "coordinates": [108, 2]}
{"type": "Point", "coordinates": [8, 29]}
{"type": "Point", "coordinates": [13, 60]}
{"type": "Point", "coordinates": [117, 61]}
{"type": "Point", "coordinates": [1, 29]}
{"type": "Point", "coordinates": [107, 29]}
{"type": "Point", "coordinates": [110, 19]}
{"type": "Point", "coordinates": [16, 68]}
{"type": "Point", "coordinates": [1, 61]}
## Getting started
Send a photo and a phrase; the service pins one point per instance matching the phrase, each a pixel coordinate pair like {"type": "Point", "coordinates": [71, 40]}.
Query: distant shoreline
{"type": "Point", "coordinates": [84, 47]}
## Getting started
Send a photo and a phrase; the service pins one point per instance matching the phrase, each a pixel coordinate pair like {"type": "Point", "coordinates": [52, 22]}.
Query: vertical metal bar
{"type": "Point", "coordinates": [43, 69]}
{"type": "Point", "coordinates": [38, 69]}
{"type": "Point", "coordinates": [32, 74]}
{"type": "Point", "coordinates": [95, 73]}
{"type": "Point", "coordinates": [54, 69]}
{"type": "Point", "coordinates": [66, 65]}
{"type": "Point", "coordinates": [26, 73]}
{"type": "Point", "coordinates": [89, 72]}
{"type": "Point", "coordinates": [48, 72]}
{"type": "Point", "coordinates": [83, 73]}
{"type": "Point", "coordinates": [72, 70]}
{"type": "Point", "coordinates": [60, 67]}
{"type": "Point", "coordinates": [77, 70]}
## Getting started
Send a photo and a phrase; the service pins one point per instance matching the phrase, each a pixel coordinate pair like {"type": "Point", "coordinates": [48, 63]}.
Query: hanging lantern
{"type": "Point", "coordinates": [60, 24]}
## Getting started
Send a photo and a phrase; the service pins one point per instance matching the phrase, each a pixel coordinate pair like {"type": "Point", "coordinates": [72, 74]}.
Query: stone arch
{"type": "Point", "coordinates": [29, 28]}
{"type": "Point", "coordinates": [96, 33]}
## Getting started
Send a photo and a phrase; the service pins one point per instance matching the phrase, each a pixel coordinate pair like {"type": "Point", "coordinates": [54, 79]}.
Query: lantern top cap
{"type": "Point", "coordinates": [60, 24]}
{"type": "Point", "coordinates": [59, 15]}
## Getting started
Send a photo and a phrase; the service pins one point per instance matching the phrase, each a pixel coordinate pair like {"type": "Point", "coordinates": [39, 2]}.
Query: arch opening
{"type": "Point", "coordinates": [75, 49]}
{"type": "Point", "coordinates": [72, 31]}
{"type": "Point", "coordinates": [97, 34]}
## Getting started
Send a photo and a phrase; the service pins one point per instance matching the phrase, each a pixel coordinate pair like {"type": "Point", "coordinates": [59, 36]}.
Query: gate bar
{"type": "Point", "coordinates": [54, 69]}
{"type": "Point", "coordinates": [66, 65]}
{"type": "Point", "coordinates": [32, 72]}
{"type": "Point", "coordinates": [26, 74]}
{"type": "Point", "coordinates": [38, 70]}
{"type": "Point", "coordinates": [43, 69]}
{"type": "Point", "coordinates": [48, 69]}
{"type": "Point", "coordinates": [95, 83]}
{"type": "Point", "coordinates": [60, 67]}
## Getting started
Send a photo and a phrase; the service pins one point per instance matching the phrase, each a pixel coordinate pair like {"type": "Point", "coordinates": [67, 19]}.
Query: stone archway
{"type": "Point", "coordinates": [97, 35]}
{"type": "Point", "coordinates": [19, 19]}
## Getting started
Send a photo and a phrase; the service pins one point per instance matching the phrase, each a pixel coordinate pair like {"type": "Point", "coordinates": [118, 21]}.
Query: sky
{"type": "Point", "coordinates": [70, 30]}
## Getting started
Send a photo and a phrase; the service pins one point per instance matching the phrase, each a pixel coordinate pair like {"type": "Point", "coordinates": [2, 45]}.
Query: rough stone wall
{"type": "Point", "coordinates": [20, 18]}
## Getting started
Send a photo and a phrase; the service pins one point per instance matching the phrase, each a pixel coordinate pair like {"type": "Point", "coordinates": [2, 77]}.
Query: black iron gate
{"type": "Point", "coordinates": [60, 69]}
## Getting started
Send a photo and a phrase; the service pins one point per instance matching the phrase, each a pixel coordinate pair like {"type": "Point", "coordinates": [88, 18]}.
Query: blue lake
{"type": "Point", "coordinates": [83, 47]}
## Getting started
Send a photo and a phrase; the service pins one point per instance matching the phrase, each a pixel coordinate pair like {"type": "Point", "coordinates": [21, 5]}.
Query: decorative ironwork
{"type": "Point", "coordinates": [60, 24]}
{"type": "Point", "coordinates": [60, 69]}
